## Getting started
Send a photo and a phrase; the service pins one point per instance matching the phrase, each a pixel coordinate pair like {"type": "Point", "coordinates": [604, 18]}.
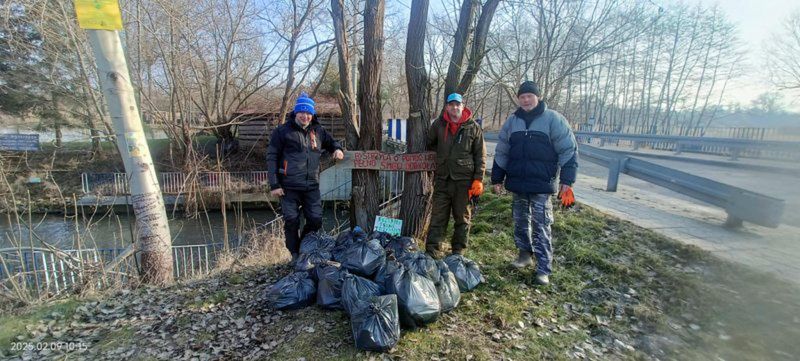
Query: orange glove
{"type": "Point", "coordinates": [566, 196]}
{"type": "Point", "coordinates": [477, 189]}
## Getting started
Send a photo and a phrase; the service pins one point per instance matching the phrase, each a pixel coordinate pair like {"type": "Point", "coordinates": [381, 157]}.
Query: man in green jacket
{"type": "Point", "coordinates": [460, 163]}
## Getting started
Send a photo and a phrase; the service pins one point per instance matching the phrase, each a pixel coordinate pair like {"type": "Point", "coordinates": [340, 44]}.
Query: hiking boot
{"type": "Point", "coordinates": [523, 259]}
{"type": "Point", "coordinates": [294, 258]}
{"type": "Point", "coordinates": [542, 279]}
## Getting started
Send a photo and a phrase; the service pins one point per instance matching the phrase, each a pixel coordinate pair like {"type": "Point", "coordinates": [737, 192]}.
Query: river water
{"type": "Point", "coordinates": [114, 230]}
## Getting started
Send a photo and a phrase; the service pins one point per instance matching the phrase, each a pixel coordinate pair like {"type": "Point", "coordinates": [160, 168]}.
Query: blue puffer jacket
{"type": "Point", "coordinates": [293, 155]}
{"type": "Point", "coordinates": [528, 158]}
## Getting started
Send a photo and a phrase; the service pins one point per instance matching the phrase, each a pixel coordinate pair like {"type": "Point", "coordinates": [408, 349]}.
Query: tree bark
{"type": "Point", "coordinates": [154, 242]}
{"type": "Point", "coordinates": [365, 182]}
{"type": "Point", "coordinates": [346, 94]}
{"type": "Point", "coordinates": [478, 46]}
{"type": "Point", "coordinates": [461, 38]}
{"type": "Point", "coordinates": [417, 186]}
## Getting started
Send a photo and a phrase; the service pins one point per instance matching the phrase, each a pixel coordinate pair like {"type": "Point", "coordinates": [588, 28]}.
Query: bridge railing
{"type": "Point", "coordinates": [740, 204]}
{"type": "Point", "coordinates": [177, 182]}
{"type": "Point", "coordinates": [731, 147]}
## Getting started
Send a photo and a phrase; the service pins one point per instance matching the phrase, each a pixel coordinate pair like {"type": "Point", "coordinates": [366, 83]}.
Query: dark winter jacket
{"type": "Point", "coordinates": [294, 153]}
{"type": "Point", "coordinates": [460, 155]}
{"type": "Point", "coordinates": [529, 156]}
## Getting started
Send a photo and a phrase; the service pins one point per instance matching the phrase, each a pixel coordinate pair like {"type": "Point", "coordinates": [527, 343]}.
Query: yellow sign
{"type": "Point", "coordinates": [98, 14]}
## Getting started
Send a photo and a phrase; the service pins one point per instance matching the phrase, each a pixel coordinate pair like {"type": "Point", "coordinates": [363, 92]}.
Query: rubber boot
{"type": "Point", "coordinates": [542, 279]}
{"type": "Point", "coordinates": [523, 259]}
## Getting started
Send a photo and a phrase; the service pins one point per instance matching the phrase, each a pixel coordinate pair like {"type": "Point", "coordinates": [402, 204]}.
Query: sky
{"type": "Point", "coordinates": [756, 20]}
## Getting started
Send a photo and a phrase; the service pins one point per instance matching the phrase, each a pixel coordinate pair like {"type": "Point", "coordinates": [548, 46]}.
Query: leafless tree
{"type": "Point", "coordinates": [783, 54]}
{"type": "Point", "coordinates": [346, 94]}
{"type": "Point", "coordinates": [297, 23]}
{"type": "Point", "coordinates": [61, 68]}
{"type": "Point", "coordinates": [364, 204]}
{"type": "Point", "coordinates": [417, 186]}
{"type": "Point", "coordinates": [460, 78]}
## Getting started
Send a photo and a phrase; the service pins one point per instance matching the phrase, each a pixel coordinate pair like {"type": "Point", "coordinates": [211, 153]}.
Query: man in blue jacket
{"type": "Point", "coordinates": [536, 156]}
{"type": "Point", "coordinates": [293, 159]}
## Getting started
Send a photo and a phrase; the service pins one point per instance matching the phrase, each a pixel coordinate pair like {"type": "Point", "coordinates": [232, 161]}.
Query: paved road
{"type": "Point", "coordinates": [693, 222]}
{"type": "Point", "coordinates": [779, 184]}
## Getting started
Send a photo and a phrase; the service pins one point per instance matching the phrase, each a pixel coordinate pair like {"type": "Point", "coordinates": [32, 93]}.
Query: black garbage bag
{"type": "Point", "coordinates": [400, 247]}
{"type": "Point", "coordinates": [422, 264]}
{"type": "Point", "coordinates": [316, 241]}
{"type": "Point", "coordinates": [417, 299]}
{"type": "Point", "coordinates": [347, 237]}
{"type": "Point", "coordinates": [375, 324]}
{"type": "Point", "coordinates": [296, 290]}
{"type": "Point", "coordinates": [338, 252]}
{"type": "Point", "coordinates": [364, 258]}
{"type": "Point", "coordinates": [307, 261]}
{"type": "Point", "coordinates": [344, 241]}
{"type": "Point", "coordinates": [383, 277]}
{"type": "Point", "coordinates": [449, 293]}
{"type": "Point", "coordinates": [382, 237]}
{"type": "Point", "coordinates": [319, 270]}
{"type": "Point", "coordinates": [355, 289]}
{"type": "Point", "coordinates": [329, 287]}
{"type": "Point", "coordinates": [467, 272]}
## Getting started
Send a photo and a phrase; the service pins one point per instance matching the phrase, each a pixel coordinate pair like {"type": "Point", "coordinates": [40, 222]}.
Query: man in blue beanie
{"type": "Point", "coordinates": [536, 156]}
{"type": "Point", "coordinates": [293, 159]}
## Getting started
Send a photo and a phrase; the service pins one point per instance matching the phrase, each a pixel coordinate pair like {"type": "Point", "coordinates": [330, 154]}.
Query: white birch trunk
{"type": "Point", "coordinates": [153, 240]}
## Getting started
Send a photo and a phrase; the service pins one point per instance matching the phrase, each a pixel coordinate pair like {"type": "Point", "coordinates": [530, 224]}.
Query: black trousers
{"type": "Point", "coordinates": [311, 203]}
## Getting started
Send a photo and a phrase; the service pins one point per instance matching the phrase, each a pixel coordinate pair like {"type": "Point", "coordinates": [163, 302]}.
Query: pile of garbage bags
{"type": "Point", "coordinates": [382, 281]}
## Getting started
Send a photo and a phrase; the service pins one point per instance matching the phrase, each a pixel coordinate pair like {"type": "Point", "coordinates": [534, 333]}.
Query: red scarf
{"type": "Point", "coordinates": [452, 126]}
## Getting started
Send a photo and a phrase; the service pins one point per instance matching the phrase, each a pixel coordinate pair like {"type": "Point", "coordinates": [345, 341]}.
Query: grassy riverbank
{"type": "Point", "coordinates": [618, 291]}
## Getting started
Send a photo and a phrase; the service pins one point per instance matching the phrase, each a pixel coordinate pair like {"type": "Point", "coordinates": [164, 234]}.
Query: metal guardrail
{"type": "Point", "coordinates": [740, 204]}
{"type": "Point", "coordinates": [734, 148]}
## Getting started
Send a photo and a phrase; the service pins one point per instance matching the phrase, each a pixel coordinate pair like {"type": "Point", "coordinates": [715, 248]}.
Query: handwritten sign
{"type": "Point", "coordinates": [19, 142]}
{"type": "Point", "coordinates": [388, 225]}
{"type": "Point", "coordinates": [416, 162]}
{"type": "Point", "coordinates": [98, 14]}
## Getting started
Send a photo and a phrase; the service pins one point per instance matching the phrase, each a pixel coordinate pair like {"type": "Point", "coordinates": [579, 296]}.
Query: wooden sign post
{"type": "Point", "coordinates": [371, 159]}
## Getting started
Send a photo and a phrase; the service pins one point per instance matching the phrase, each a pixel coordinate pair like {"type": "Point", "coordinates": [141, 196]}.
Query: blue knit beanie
{"type": "Point", "coordinates": [304, 104]}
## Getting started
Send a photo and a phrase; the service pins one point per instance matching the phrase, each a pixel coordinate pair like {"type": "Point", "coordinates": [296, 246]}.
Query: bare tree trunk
{"type": "Point", "coordinates": [56, 118]}
{"type": "Point", "coordinates": [154, 242]}
{"type": "Point", "coordinates": [478, 46]}
{"type": "Point", "coordinates": [417, 186]}
{"type": "Point", "coordinates": [365, 182]}
{"type": "Point", "coordinates": [287, 91]}
{"type": "Point", "coordinates": [347, 98]}
{"type": "Point", "coordinates": [461, 38]}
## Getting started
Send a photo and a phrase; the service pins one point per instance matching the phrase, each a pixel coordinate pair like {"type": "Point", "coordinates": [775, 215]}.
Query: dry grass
{"type": "Point", "coordinates": [265, 247]}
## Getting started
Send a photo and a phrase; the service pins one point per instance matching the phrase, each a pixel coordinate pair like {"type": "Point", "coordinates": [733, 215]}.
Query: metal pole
{"type": "Point", "coordinates": [154, 241]}
{"type": "Point", "coordinates": [614, 167]}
